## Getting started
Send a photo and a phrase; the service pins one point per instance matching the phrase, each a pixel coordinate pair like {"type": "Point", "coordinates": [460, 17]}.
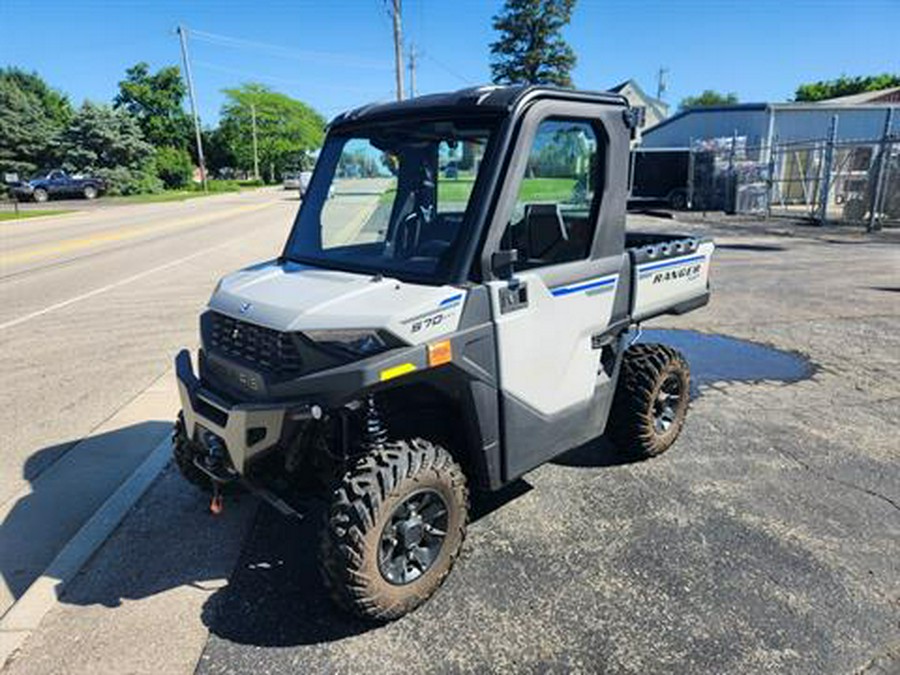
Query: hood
{"type": "Point", "coordinates": [294, 297]}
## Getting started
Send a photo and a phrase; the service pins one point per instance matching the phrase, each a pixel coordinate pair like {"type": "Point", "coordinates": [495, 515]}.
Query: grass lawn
{"type": "Point", "coordinates": [546, 190]}
{"type": "Point", "coordinates": [532, 190]}
{"type": "Point", "coordinates": [216, 187]}
{"type": "Point", "coordinates": [21, 215]}
{"type": "Point", "coordinates": [167, 196]}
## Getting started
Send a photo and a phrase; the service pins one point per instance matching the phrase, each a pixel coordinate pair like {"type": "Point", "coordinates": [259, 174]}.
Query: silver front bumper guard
{"type": "Point", "coordinates": [246, 429]}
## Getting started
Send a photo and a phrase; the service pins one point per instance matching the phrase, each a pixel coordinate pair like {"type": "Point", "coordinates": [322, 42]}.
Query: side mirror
{"type": "Point", "coordinates": [502, 262]}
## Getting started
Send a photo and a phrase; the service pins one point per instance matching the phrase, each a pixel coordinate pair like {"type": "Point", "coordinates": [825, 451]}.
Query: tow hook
{"type": "Point", "coordinates": [212, 463]}
{"type": "Point", "coordinates": [216, 504]}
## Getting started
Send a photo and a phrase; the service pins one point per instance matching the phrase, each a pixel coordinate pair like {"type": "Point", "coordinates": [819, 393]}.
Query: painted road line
{"type": "Point", "coordinates": [350, 232]}
{"type": "Point", "coordinates": [109, 287]}
{"type": "Point", "coordinates": [116, 284]}
{"type": "Point", "coordinates": [120, 234]}
{"type": "Point", "coordinates": [26, 614]}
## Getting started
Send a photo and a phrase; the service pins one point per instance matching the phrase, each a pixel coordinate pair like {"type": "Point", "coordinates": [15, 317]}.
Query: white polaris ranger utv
{"type": "Point", "coordinates": [457, 314]}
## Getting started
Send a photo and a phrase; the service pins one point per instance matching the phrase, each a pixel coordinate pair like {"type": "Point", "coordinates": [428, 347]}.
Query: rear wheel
{"type": "Point", "coordinates": [651, 400]}
{"type": "Point", "coordinates": [678, 200]}
{"type": "Point", "coordinates": [89, 192]}
{"type": "Point", "coordinates": [395, 527]}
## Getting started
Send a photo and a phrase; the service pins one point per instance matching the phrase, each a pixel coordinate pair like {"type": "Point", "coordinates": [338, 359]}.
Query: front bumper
{"type": "Point", "coordinates": [246, 429]}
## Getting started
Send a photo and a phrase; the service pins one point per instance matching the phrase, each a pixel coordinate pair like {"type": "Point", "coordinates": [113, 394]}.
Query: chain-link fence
{"type": "Point", "coordinates": [825, 180]}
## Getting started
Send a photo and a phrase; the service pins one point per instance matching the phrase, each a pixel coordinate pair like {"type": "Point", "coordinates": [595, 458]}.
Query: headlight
{"type": "Point", "coordinates": [357, 343]}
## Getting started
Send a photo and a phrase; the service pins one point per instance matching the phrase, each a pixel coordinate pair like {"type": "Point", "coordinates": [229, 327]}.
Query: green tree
{"type": "Point", "coordinates": [174, 167]}
{"type": "Point", "coordinates": [156, 101]}
{"type": "Point", "coordinates": [109, 143]}
{"type": "Point", "coordinates": [217, 152]}
{"type": "Point", "coordinates": [287, 129]}
{"type": "Point", "coordinates": [707, 99]}
{"type": "Point", "coordinates": [530, 48]}
{"type": "Point", "coordinates": [845, 86]}
{"type": "Point", "coordinates": [32, 119]}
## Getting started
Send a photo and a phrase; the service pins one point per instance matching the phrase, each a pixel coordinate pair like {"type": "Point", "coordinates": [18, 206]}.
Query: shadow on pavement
{"type": "Point", "coordinates": [276, 598]}
{"type": "Point", "coordinates": [69, 482]}
{"type": "Point", "coordinates": [594, 454]}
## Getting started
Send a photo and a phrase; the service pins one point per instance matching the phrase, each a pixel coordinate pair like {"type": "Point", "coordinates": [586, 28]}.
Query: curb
{"type": "Point", "coordinates": [26, 614]}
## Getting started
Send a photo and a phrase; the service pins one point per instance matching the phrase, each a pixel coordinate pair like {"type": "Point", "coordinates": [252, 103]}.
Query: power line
{"type": "Point", "coordinates": [338, 58]}
{"type": "Point", "coordinates": [447, 68]}
{"type": "Point", "coordinates": [256, 76]}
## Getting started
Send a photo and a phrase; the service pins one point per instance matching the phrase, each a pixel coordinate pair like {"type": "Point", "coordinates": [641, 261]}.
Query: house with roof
{"type": "Point", "coordinates": [654, 110]}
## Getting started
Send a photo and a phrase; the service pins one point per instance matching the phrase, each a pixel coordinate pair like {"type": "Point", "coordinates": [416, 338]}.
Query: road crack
{"type": "Point", "coordinates": [839, 481]}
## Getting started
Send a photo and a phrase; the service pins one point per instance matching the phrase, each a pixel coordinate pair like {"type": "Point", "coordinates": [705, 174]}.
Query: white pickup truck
{"type": "Point", "coordinates": [425, 332]}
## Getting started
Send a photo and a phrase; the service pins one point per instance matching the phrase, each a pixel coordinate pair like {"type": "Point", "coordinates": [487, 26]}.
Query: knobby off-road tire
{"type": "Point", "coordinates": [651, 400]}
{"type": "Point", "coordinates": [183, 451]}
{"type": "Point", "coordinates": [380, 491]}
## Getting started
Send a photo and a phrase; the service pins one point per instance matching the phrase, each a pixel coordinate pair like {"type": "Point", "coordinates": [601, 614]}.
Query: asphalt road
{"type": "Point", "coordinates": [766, 540]}
{"type": "Point", "coordinates": [96, 304]}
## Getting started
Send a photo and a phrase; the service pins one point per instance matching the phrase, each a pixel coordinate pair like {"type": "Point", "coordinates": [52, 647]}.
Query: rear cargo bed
{"type": "Point", "coordinates": [670, 275]}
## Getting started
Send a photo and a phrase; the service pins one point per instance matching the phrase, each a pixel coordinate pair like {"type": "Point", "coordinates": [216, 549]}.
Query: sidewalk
{"type": "Point", "coordinates": [140, 604]}
{"type": "Point", "coordinates": [57, 521]}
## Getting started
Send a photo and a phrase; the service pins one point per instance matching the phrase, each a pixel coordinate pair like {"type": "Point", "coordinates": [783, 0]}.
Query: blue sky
{"type": "Point", "coordinates": [336, 54]}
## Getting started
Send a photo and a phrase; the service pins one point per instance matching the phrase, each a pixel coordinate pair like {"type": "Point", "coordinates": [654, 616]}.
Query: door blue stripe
{"type": "Point", "coordinates": [566, 290]}
{"type": "Point", "coordinates": [450, 300]}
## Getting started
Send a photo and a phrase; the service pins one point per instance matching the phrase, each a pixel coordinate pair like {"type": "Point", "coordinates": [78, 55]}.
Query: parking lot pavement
{"type": "Point", "coordinates": [765, 540]}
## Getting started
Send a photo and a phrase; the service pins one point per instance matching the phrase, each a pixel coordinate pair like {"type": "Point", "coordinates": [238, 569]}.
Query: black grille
{"type": "Point", "coordinates": [265, 348]}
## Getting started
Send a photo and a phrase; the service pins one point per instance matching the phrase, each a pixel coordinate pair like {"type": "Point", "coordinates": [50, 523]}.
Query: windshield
{"type": "Point", "coordinates": [392, 199]}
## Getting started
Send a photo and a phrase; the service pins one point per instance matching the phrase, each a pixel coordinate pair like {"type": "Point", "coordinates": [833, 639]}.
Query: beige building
{"type": "Point", "coordinates": [890, 95]}
{"type": "Point", "coordinates": [655, 110]}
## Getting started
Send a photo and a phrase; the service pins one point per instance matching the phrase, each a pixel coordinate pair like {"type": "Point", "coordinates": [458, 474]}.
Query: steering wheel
{"type": "Point", "coordinates": [407, 237]}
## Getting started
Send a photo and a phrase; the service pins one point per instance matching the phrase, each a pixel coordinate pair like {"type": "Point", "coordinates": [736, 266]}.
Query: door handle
{"type": "Point", "coordinates": [513, 297]}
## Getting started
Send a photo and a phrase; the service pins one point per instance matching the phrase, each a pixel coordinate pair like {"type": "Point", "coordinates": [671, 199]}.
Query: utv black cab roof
{"type": "Point", "coordinates": [484, 99]}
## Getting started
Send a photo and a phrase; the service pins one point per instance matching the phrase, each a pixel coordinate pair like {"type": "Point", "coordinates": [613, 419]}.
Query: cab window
{"type": "Point", "coordinates": [555, 210]}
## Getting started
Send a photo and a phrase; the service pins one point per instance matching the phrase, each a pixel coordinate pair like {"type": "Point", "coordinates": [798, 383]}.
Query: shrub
{"type": "Point", "coordinates": [124, 181]}
{"type": "Point", "coordinates": [174, 167]}
{"type": "Point", "coordinates": [226, 185]}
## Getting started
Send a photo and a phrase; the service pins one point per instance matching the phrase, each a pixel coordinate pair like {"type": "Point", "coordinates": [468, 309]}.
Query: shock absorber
{"type": "Point", "coordinates": [375, 433]}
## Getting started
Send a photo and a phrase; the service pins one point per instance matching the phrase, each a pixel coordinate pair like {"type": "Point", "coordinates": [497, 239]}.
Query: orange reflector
{"type": "Point", "coordinates": [439, 353]}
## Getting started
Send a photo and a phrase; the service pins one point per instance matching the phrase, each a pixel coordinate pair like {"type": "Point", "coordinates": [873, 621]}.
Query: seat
{"type": "Point", "coordinates": [545, 230]}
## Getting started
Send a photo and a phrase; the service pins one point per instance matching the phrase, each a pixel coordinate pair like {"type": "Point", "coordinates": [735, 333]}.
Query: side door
{"type": "Point", "coordinates": [568, 286]}
{"type": "Point", "coordinates": [56, 183]}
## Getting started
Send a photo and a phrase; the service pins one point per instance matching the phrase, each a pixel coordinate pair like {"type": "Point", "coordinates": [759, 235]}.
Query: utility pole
{"type": "Point", "coordinates": [412, 70]}
{"type": "Point", "coordinates": [398, 49]}
{"type": "Point", "coordinates": [661, 82]}
{"type": "Point", "coordinates": [255, 145]}
{"type": "Point", "coordinates": [182, 35]}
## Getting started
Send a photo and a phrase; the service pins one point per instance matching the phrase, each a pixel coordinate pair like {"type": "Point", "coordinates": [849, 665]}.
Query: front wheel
{"type": "Point", "coordinates": [395, 527]}
{"type": "Point", "coordinates": [184, 451]}
{"type": "Point", "coordinates": [90, 192]}
{"type": "Point", "coordinates": [40, 195]}
{"type": "Point", "coordinates": [651, 400]}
